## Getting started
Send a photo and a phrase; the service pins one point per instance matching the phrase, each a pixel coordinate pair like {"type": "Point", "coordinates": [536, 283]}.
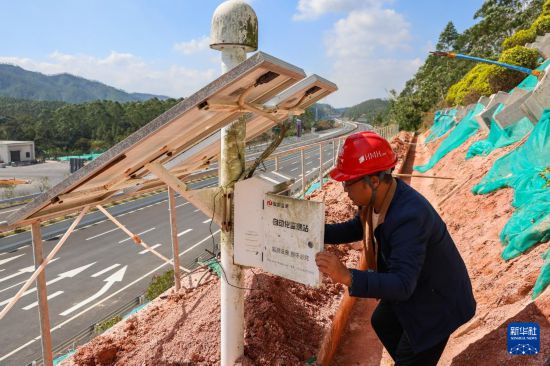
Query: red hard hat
{"type": "Point", "coordinates": [363, 153]}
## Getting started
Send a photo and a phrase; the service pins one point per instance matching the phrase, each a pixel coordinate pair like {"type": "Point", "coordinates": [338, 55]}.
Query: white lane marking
{"type": "Point", "coordinates": [12, 286]}
{"type": "Point", "coordinates": [9, 211]}
{"type": "Point", "coordinates": [268, 179]}
{"type": "Point", "coordinates": [35, 304]}
{"type": "Point", "coordinates": [4, 261]}
{"type": "Point", "coordinates": [147, 250]}
{"type": "Point", "coordinates": [29, 269]}
{"type": "Point", "coordinates": [2, 270]}
{"type": "Point", "coordinates": [197, 210]}
{"type": "Point", "coordinates": [143, 232]}
{"type": "Point", "coordinates": [62, 324]}
{"type": "Point", "coordinates": [206, 221]}
{"type": "Point", "coordinates": [296, 162]}
{"type": "Point", "coordinates": [183, 204]}
{"type": "Point", "coordinates": [98, 235]}
{"type": "Point", "coordinates": [67, 274]}
{"type": "Point", "coordinates": [97, 274]}
{"type": "Point", "coordinates": [293, 170]}
{"type": "Point", "coordinates": [184, 232]}
{"type": "Point", "coordinates": [115, 277]}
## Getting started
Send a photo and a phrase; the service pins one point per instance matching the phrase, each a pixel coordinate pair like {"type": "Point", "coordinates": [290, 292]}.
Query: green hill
{"type": "Point", "coordinates": [441, 82]}
{"type": "Point", "coordinates": [19, 83]}
{"type": "Point", "coordinates": [368, 110]}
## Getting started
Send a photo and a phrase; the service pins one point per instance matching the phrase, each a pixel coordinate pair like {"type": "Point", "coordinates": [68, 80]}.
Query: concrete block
{"type": "Point", "coordinates": [542, 44]}
{"type": "Point", "coordinates": [545, 50]}
{"type": "Point", "coordinates": [460, 113]}
{"type": "Point", "coordinates": [464, 112]}
{"type": "Point", "coordinates": [495, 100]}
{"type": "Point", "coordinates": [483, 100]}
{"type": "Point", "coordinates": [535, 104]}
{"type": "Point", "coordinates": [512, 113]}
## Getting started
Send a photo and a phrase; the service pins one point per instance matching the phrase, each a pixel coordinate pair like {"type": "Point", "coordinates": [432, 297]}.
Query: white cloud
{"type": "Point", "coordinates": [122, 70]}
{"type": "Point", "coordinates": [365, 49]}
{"type": "Point", "coordinates": [312, 9]}
{"type": "Point", "coordinates": [364, 33]}
{"type": "Point", "coordinates": [193, 46]}
{"type": "Point", "coordinates": [366, 79]}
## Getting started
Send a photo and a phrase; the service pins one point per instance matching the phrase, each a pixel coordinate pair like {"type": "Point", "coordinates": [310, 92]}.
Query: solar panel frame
{"type": "Point", "coordinates": [113, 161]}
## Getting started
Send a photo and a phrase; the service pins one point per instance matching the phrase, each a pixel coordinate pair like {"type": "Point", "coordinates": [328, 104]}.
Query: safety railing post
{"type": "Point", "coordinates": [303, 172]}
{"type": "Point", "coordinates": [320, 165]}
{"type": "Point", "coordinates": [45, 333]}
{"type": "Point", "coordinates": [174, 232]}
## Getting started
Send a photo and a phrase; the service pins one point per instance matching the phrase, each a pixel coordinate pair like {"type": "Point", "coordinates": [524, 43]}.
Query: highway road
{"type": "Point", "coordinates": [99, 269]}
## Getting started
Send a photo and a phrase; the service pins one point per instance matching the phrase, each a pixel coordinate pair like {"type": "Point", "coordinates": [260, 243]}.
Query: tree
{"type": "Point", "coordinates": [447, 38]}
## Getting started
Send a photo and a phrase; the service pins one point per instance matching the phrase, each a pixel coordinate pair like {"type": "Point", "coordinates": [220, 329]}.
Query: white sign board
{"type": "Point", "coordinates": [293, 234]}
{"type": "Point", "coordinates": [278, 234]}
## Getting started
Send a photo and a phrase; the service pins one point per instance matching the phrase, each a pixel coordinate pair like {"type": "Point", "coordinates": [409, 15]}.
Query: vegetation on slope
{"type": "Point", "coordinates": [428, 89]}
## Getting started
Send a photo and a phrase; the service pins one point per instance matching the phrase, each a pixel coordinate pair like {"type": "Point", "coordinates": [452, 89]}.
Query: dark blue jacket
{"type": "Point", "coordinates": [420, 271]}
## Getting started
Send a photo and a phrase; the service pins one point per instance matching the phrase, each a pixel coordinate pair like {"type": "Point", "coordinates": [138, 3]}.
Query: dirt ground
{"type": "Point", "coordinates": [40, 176]}
{"type": "Point", "coordinates": [502, 289]}
{"type": "Point", "coordinates": [285, 321]}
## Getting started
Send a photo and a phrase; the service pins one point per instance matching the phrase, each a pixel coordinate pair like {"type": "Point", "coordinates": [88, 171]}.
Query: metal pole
{"type": "Point", "coordinates": [174, 231]}
{"type": "Point", "coordinates": [303, 173]}
{"type": "Point", "coordinates": [334, 152]}
{"type": "Point", "coordinates": [234, 32]}
{"type": "Point", "coordinates": [320, 166]}
{"type": "Point", "coordinates": [338, 151]}
{"type": "Point", "coordinates": [42, 295]}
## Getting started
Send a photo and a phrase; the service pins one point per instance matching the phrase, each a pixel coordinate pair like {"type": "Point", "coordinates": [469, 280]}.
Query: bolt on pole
{"type": "Point", "coordinates": [234, 32]}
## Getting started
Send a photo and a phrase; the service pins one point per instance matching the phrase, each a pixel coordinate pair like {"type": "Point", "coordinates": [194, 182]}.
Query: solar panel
{"type": "Point", "coordinates": [188, 124]}
{"type": "Point", "coordinates": [296, 98]}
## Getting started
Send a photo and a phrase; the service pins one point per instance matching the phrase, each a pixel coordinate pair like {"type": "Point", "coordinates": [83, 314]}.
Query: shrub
{"type": "Point", "coordinates": [159, 284]}
{"type": "Point", "coordinates": [546, 8]}
{"type": "Point", "coordinates": [106, 324]}
{"type": "Point", "coordinates": [520, 38]}
{"type": "Point", "coordinates": [505, 79]}
{"type": "Point", "coordinates": [521, 56]}
{"type": "Point", "coordinates": [473, 85]}
{"type": "Point", "coordinates": [486, 79]}
{"type": "Point", "coordinates": [542, 25]}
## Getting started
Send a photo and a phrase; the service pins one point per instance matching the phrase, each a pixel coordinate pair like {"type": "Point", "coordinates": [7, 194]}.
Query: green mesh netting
{"type": "Point", "coordinates": [531, 81]}
{"type": "Point", "coordinates": [467, 127]}
{"type": "Point", "coordinates": [526, 170]}
{"type": "Point", "coordinates": [443, 122]}
{"type": "Point", "coordinates": [500, 137]}
{"type": "Point", "coordinates": [544, 276]}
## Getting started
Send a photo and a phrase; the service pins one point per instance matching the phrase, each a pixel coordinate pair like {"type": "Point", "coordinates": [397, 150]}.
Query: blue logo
{"type": "Point", "coordinates": [523, 338]}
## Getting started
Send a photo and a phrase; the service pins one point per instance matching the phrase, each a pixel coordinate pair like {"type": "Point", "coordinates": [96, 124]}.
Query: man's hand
{"type": "Point", "coordinates": [330, 265]}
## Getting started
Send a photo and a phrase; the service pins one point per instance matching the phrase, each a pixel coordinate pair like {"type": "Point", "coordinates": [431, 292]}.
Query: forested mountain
{"type": "Point", "coordinates": [19, 83]}
{"type": "Point", "coordinates": [61, 128]}
{"type": "Point", "coordinates": [369, 110]}
{"type": "Point", "coordinates": [324, 111]}
{"type": "Point", "coordinates": [503, 25]}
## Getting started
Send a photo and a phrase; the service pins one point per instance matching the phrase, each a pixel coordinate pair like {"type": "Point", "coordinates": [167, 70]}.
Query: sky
{"type": "Point", "coordinates": [366, 47]}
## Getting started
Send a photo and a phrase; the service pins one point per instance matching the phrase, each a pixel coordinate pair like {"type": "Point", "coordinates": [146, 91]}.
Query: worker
{"type": "Point", "coordinates": [411, 262]}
